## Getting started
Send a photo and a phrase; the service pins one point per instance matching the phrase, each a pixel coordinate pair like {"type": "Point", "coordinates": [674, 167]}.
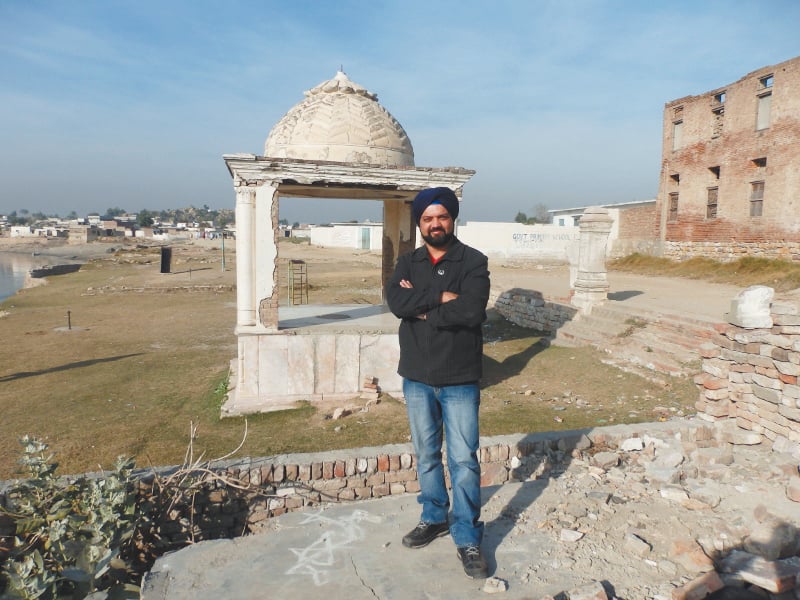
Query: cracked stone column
{"type": "Point", "coordinates": [591, 284]}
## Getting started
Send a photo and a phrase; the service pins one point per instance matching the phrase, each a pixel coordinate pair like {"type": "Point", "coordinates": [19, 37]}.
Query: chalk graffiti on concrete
{"type": "Point", "coordinates": [318, 559]}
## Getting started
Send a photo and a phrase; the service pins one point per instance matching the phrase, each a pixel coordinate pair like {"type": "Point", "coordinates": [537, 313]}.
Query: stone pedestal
{"type": "Point", "coordinates": [591, 284]}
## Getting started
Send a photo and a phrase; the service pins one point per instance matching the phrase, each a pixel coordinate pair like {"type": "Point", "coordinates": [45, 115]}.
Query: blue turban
{"type": "Point", "coordinates": [439, 195]}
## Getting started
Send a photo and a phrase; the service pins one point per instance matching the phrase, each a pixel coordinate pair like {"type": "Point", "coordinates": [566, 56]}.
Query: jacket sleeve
{"type": "Point", "coordinates": [407, 303]}
{"type": "Point", "coordinates": [469, 309]}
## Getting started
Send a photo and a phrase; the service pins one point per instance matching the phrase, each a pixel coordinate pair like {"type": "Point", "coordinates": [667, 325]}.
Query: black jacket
{"type": "Point", "coordinates": [447, 347]}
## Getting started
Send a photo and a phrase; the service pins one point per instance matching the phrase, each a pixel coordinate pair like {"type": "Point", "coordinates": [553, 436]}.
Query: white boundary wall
{"type": "Point", "coordinates": [506, 240]}
{"type": "Point", "coordinates": [346, 235]}
{"type": "Point", "coordinates": [515, 240]}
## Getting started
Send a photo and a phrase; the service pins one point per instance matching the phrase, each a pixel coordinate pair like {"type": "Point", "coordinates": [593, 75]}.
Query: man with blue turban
{"type": "Point", "coordinates": [440, 292]}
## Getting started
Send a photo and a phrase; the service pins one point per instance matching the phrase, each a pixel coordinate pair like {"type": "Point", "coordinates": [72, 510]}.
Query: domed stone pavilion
{"type": "Point", "coordinates": [338, 143]}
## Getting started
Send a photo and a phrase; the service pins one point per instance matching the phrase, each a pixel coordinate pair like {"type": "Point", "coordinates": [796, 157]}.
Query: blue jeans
{"type": "Point", "coordinates": [453, 408]}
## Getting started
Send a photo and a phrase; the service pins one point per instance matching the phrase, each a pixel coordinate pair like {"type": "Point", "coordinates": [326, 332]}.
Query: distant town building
{"type": "Point", "coordinates": [730, 175]}
{"type": "Point", "coordinates": [363, 236]}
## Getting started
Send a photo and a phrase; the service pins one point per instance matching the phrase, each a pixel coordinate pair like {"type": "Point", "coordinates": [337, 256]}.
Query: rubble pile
{"type": "Point", "coordinates": [707, 513]}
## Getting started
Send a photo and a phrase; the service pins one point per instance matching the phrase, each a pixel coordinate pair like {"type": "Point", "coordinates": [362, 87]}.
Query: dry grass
{"type": "Point", "coordinates": [149, 353]}
{"type": "Point", "coordinates": [782, 275]}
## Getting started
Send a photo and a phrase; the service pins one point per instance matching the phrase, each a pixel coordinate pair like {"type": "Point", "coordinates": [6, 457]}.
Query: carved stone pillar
{"type": "Point", "coordinates": [245, 256]}
{"type": "Point", "coordinates": [591, 284]}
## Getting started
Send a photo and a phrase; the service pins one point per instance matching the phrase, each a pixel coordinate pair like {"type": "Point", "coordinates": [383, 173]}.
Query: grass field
{"type": "Point", "coordinates": [781, 275]}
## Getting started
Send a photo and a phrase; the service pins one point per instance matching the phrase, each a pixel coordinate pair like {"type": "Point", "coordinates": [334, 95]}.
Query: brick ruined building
{"type": "Point", "coordinates": [730, 174]}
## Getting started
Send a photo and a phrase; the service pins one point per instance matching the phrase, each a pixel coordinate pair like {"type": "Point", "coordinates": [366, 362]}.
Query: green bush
{"type": "Point", "coordinates": [68, 532]}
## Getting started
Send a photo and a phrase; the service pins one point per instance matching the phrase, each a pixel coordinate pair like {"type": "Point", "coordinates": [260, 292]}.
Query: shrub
{"type": "Point", "coordinates": [68, 533]}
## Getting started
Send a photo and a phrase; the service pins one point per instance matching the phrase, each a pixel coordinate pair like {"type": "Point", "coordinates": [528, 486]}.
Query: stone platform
{"type": "Point", "coordinates": [319, 352]}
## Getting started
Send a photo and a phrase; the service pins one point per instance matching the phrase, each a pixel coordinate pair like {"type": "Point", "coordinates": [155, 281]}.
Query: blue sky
{"type": "Point", "coordinates": [133, 104]}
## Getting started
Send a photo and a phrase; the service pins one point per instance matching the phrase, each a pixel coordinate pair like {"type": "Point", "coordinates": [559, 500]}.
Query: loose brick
{"type": "Point", "coordinates": [699, 588]}
{"type": "Point", "coordinates": [776, 576]}
{"type": "Point", "coordinates": [690, 556]}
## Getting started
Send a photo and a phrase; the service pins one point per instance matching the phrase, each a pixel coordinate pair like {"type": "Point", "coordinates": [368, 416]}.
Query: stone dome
{"type": "Point", "coordinates": [340, 121]}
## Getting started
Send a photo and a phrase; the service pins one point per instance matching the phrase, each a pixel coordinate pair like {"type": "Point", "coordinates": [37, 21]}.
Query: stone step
{"type": "Point", "coordinates": [677, 345]}
{"type": "Point", "coordinates": [697, 327]}
{"type": "Point", "coordinates": [640, 341]}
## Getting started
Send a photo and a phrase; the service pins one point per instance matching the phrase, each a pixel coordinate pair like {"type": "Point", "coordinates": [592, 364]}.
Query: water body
{"type": "Point", "coordinates": [14, 266]}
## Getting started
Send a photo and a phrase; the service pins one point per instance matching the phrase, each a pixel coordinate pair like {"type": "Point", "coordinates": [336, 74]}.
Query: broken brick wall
{"type": "Point", "coordinates": [750, 375]}
{"type": "Point", "coordinates": [715, 148]}
{"type": "Point", "coordinates": [528, 308]}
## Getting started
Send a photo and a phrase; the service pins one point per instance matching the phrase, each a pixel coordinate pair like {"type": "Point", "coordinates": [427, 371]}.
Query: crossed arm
{"type": "Point", "coordinates": [444, 297]}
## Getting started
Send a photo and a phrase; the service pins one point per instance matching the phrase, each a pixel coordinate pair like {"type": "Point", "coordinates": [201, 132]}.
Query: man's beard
{"type": "Point", "coordinates": [438, 241]}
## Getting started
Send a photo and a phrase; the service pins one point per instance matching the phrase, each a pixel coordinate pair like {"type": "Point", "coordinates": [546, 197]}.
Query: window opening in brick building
{"type": "Point", "coordinates": [676, 177]}
{"type": "Point", "coordinates": [760, 162]}
{"type": "Point", "coordinates": [718, 123]}
{"type": "Point", "coordinates": [766, 82]}
{"type": "Point", "coordinates": [756, 198]}
{"type": "Point", "coordinates": [673, 207]}
{"type": "Point", "coordinates": [718, 113]}
{"type": "Point", "coordinates": [714, 172]}
{"type": "Point", "coordinates": [677, 134]}
{"type": "Point", "coordinates": [711, 203]}
{"type": "Point", "coordinates": [762, 116]}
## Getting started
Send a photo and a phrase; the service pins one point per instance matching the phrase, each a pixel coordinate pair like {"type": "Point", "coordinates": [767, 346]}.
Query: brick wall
{"type": "Point", "coordinates": [727, 251]}
{"type": "Point", "coordinates": [637, 231]}
{"type": "Point", "coordinates": [750, 375]}
{"type": "Point", "coordinates": [298, 481]}
{"type": "Point", "coordinates": [722, 148]}
{"type": "Point", "coordinates": [637, 222]}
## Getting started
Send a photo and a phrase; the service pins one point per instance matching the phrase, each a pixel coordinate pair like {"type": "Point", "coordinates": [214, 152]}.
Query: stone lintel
{"type": "Point", "coordinates": [302, 176]}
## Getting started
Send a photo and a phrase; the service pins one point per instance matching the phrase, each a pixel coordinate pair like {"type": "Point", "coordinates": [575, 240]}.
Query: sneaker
{"type": "Point", "coordinates": [424, 533]}
{"type": "Point", "coordinates": [473, 562]}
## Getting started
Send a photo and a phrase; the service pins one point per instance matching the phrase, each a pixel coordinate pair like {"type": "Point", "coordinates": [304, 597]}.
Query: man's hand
{"type": "Point", "coordinates": [447, 297]}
